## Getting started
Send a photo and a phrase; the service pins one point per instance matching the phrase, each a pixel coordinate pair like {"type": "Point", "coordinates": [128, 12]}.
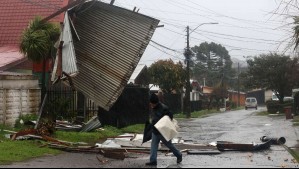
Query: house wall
{"type": "Point", "coordinates": [268, 95]}
{"type": "Point", "coordinates": [18, 97]}
{"type": "Point", "coordinates": [233, 97]}
{"type": "Point", "coordinates": [259, 95]}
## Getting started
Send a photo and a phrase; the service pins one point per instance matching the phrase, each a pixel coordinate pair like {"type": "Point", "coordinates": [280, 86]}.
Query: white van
{"type": "Point", "coordinates": [251, 102]}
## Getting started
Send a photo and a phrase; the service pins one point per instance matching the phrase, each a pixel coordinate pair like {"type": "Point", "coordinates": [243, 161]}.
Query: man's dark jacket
{"type": "Point", "coordinates": [159, 112]}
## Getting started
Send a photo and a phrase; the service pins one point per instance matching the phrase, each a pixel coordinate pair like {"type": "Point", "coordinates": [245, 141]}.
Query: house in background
{"type": "Point", "coordinates": [207, 91]}
{"type": "Point", "coordinates": [261, 95]}
{"type": "Point", "coordinates": [139, 76]}
{"type": "Point", "coordinates": [234, 97]}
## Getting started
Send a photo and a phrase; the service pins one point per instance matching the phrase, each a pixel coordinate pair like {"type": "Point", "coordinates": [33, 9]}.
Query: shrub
{"type": "Point", "coordinates": [23, 119]}
{"type": "Point", "coordinates": [273, 106]}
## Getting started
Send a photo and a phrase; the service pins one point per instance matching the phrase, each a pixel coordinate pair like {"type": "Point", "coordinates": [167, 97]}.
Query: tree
{"type": "Point", "coordinates": [212, 63]}
{"type": "Point", "coordinates": [296, 31]}
{"type": "Point", "coordinates": [219, 94]}
{"type": "Point", "coordinates": [37, 42]}
{"type": "Point", "coordinates": [278, 73]}
{"type": "Point", "coordinates": [287, 9]}
{"type": "Point", "coordinates": [168, 75]}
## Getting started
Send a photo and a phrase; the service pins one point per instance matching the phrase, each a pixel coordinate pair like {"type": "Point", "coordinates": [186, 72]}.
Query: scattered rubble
{"type": "Point", "coordinates": [129, 145]}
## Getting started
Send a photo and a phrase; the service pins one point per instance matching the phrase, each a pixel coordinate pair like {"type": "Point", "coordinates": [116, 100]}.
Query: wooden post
{"type": "Point", "coordinates": [4, 106]}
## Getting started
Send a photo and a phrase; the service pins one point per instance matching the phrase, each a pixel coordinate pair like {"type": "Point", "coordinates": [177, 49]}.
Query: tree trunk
{"type": "Point", "coordinates": [44, 79]}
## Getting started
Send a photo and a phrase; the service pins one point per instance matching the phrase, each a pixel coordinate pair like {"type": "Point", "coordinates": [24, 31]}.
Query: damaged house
{"type": "Point", "coordinates": [100, 46]}
{"type": "Point", "coordinates": [107, 45]}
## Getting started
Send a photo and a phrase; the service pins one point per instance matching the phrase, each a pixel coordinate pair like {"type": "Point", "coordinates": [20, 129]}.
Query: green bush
{"type": "Point", "coordinates": [231, 104]}
{"type": "Point", "coordinates": [25, 118]}
{"type": "Point", "coordinates": [273, 106]}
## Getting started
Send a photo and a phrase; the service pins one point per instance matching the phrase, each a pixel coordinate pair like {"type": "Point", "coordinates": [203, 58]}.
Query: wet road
{"type": "Point", "coordinates": [236, 126]}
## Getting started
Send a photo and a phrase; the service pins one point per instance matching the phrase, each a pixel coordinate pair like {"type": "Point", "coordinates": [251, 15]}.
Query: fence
{"type": "Point", "coordinates": [132, 107]}
{"type": "Point", "coordinates": [175, 103]}
{"type": "Point", "coordinates": [70, 105]}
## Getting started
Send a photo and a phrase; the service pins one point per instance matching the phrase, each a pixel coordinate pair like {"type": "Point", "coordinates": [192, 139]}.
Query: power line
{"type": "Point", "coordinates": [222, 15]}
{"type": "Point", "coordinates": [166, 52]}
{"type": "Point", "coordinates": [267, 40]}
{"type": "Point", "coordinates": [166, 47]}
{"type": "Point", "coordinates": [238, 47]}
{"type": "Point", "coordinates": [240, 40]}
{"type": "Point", "coordinates": [188, 9]}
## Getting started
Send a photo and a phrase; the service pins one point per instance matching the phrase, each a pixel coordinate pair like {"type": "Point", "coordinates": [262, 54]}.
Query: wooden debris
{"type": "Point", "coordinates": [102, 161]}
{"type": "Point", "coordinates": [203, 152]}
{"type": "Point", "coordinates": [114, 155]}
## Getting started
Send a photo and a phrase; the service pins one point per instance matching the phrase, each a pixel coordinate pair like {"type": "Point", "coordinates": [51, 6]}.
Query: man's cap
{"type": "Point", "coordinates": [154, 99]}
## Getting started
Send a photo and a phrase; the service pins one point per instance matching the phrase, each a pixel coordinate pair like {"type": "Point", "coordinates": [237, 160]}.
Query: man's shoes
{"type": "Point", "coordinates": [151, 164]}
{"type": "Point", "coordinates": [180, 159]}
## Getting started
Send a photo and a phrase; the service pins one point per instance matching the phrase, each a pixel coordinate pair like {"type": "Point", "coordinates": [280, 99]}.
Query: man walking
{"type": "Point", "coordinates": [160, 110]}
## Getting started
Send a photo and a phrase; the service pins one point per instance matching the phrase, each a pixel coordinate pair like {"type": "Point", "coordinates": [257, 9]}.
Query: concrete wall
{"type": "Point", "coordinates": [19, 95]}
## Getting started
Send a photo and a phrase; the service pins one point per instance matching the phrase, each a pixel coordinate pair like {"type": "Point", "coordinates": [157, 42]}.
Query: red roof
{"type": "Point", "coordinates": [9, 55]}
{"type": "Point", "coordinates": [16, 14]}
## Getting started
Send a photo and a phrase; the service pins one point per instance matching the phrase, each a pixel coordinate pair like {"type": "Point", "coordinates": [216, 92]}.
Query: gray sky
{"type": "Point", "coordinates": [245, 27]}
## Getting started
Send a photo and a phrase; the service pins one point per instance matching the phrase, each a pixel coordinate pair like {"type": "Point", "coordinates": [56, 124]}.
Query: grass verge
{"type": "Point", "coordinates": [263, 113]}
{"type": "Point", "coordinates": [296, 121]}
{"type": "Point", "coordinates": [197, 114]}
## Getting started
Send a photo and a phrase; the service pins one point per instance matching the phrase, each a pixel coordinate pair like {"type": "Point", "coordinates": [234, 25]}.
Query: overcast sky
{"type": "Point", "coordinates": [244, 27]}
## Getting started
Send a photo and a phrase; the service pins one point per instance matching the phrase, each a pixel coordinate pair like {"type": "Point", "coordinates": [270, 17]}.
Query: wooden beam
{"type": "Point", "coordinates": [112, 2]}
{"type": "Point", "coordinates": [63, 10]}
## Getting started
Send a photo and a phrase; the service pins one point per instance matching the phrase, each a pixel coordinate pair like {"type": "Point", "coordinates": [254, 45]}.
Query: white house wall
{"type": "Point", "coordinates": [19, 95]}
{"type": "Point", "coordinates": [16, 102]}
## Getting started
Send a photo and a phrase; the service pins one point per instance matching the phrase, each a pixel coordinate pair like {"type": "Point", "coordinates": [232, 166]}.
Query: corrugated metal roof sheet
{"type": "Point", "coordinates": [112, 41]}
{"type": "Point", "coordinates": [69, 62]}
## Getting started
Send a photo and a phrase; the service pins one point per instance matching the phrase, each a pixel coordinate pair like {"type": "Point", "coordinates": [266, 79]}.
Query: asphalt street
{"type": "Point", "coordinates": [242, 126]}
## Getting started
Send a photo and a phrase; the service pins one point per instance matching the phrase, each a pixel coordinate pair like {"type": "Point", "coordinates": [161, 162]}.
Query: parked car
{"type": "Point", "coordinates": [251, 102]}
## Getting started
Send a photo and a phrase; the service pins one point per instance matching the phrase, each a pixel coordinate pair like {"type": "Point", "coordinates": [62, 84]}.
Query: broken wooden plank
{"type": "Point", "coordinates": [114, 155]}
{"type": "Point", "coordinates": [229, 146]}
{"type": "Point", "coordinates": [203, 152]}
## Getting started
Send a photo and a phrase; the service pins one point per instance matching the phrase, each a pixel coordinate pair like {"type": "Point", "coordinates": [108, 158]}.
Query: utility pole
{"type": "Point", "coordinates": [188, 85]}
{"type": "Point", "coordinates": [187, 106]}
{"type": "Point", "coordinates": [238, 84]}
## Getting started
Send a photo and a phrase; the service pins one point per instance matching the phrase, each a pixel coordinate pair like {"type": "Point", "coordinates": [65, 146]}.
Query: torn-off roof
{"type": "Point", "coordinates": [112, 41]}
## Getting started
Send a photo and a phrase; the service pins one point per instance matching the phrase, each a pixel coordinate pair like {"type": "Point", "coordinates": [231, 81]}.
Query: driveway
{"type": "Point", "coordinates": [235, 126]}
